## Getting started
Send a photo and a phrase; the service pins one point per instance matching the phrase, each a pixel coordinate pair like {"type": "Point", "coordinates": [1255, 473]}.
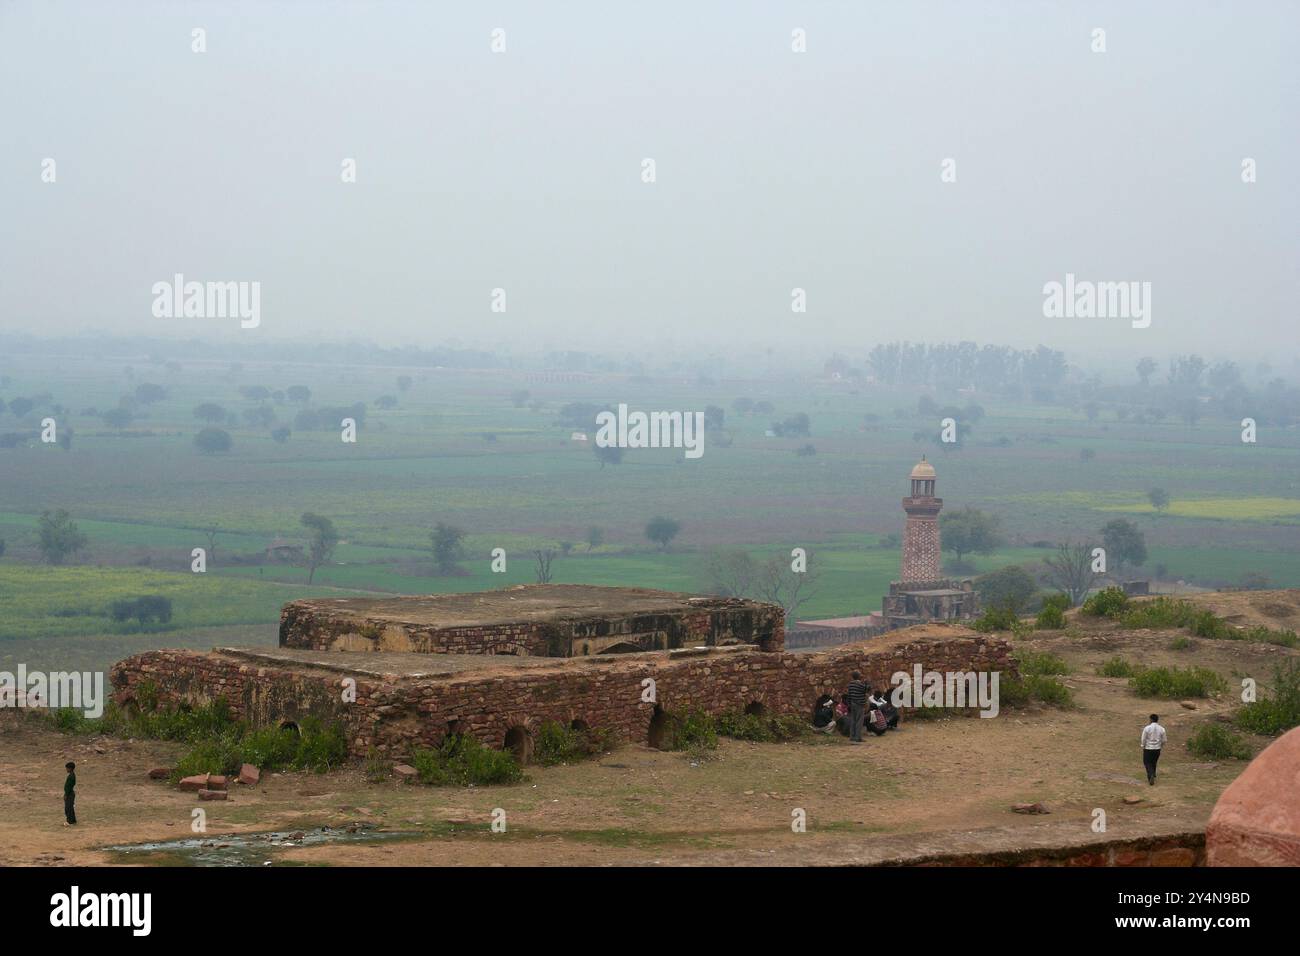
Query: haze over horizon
{"type": "Point", "coordinates": [775, 170]}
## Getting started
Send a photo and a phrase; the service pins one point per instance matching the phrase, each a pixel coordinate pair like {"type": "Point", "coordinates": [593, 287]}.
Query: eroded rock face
{"type": "Point", "coordinates": [1257, 819]}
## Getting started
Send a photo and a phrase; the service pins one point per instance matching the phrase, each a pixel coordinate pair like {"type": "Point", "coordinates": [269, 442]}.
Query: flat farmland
{"type": "Point", "coordinates": [456, 448]}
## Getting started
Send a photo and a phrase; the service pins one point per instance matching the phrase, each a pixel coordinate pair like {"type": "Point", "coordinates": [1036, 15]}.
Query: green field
{"type": "Point", "coordinates": [456, 449]}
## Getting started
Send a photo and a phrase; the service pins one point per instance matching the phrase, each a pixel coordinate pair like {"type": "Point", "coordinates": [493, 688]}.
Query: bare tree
{"type": "Point", "coordinates": [730, 573]}
{"type": "Point", "coordinates": [1070, 569]}
{"type": "Point", "coordinates": [778, 583]}
{"type": "Point", "coordinates": [212, 540]}
{"type": "Point", "coordinates": [544, 558]}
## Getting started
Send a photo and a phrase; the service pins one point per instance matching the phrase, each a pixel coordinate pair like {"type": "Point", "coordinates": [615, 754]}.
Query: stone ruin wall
{"type": "Point", "coordinates": [307, 626]}
{"type": "Point", "coordinates": [396, 715]}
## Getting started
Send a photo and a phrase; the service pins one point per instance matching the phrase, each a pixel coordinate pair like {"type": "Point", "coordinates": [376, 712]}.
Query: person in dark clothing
{"type": "Point", "coordinates": [824, 714]}
{"type": "Point", "coordinates": [70, 794]}
{"type": "Point", "coordinates": [842, 717]}
{"type": "Point", "coordinates": [856, 693]}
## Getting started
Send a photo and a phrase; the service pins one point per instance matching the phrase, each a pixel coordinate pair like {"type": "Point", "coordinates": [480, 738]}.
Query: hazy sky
{"type": "Point", "coordinates": [523, 170]}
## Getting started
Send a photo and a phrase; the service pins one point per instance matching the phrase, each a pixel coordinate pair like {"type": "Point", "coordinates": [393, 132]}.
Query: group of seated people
{"type": "Point", "coordinates": [831, 714]}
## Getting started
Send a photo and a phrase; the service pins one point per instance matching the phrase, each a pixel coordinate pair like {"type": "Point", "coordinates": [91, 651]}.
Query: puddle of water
{"type": "Point", "coordinates": [249, 849]}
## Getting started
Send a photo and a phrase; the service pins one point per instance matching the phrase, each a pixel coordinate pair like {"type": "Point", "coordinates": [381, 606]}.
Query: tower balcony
{"type": "Point", "coordinates": [925, 505]}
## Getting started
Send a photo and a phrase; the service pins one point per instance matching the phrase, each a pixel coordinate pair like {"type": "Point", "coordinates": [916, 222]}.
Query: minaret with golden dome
{"type": "Point", "coordinates": [921, 559]}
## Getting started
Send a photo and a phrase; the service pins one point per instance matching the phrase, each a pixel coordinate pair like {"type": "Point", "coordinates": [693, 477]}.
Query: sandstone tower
{"type": "Point", "coordinates": [922, 594]}
{"type": "Point", "coordinates": [921, 533]}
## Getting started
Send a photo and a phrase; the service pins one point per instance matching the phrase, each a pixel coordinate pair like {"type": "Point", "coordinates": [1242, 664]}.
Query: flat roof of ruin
{"type": "Point", "coordinates": [524, 603]}
{"type": "Point", "coordinates": [403, 666]}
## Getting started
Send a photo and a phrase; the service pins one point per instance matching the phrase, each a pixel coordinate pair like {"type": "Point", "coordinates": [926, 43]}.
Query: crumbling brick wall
{"type": "Point", "coordinates": [396, 714]}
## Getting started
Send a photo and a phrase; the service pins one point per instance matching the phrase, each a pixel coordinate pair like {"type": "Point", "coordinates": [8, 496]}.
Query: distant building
{"type": "Point", "coordinates": [921, 594]}
{"type": "Point", "coordinates": [835, 630]}
{"type": "Point", "coordinates": [285, 552]}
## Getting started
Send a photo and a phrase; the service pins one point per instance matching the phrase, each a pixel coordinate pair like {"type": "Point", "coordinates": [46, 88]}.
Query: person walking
{"type": "Point", "coordinates": [1154, 739]}
{"type": "Point", "coordinates": [856, 692]}
{"type": "Point", "coordinates": [70, 794]}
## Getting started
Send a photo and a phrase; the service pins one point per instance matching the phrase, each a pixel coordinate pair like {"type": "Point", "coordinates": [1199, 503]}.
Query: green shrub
{"type": "Point", "coordinates": [270, 747]}
{"type": "Point", "coordinates": [1174, 683]}
{"type": "Point", "coordinates": [1041, 663]}
{"type": "Point", "coordinates": [1266, 635]}
{"type": "Point", "coordinates": [1181, 644]}
{"type": "Point", "coordinates": [761, 728]}
{"type": "Point", "coordinates": [219, 754]}
{"type": "Point", "coordinates": [996, 619]}
{"type": "Point", "coordinates": [1205, 624]}
{"type": "Point", "coordinates": [461, 760]}
{"type": "Point", "coordinates": [1163, 612]}
{"type": "Point", "coordinates": [1017, 692]}
{"type": "Point", "coordinates": [557, 744]}
{"type": "Point", "coordinates": [1280, 711]}
{"type": "Point", "coordinates": [1108, 602]}
{"type": "Point", "coordinates": [1116, 667]}
{"type": "Point", "coordinates": [1216, 742]}
{"type": "Point", "coordinates": [322, 747]}
{"type": "Point", "coordinates": [695, 731]}
{"type": "Point", "coordinates": [1050, 618]}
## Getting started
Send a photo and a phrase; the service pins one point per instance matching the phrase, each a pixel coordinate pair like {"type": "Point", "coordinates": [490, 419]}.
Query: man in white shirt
{"type": "Point", "coordinates": [1153, 741]}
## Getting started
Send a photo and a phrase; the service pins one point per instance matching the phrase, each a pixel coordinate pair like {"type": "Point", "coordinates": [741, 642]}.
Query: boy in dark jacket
{"type": "Point", "coordinates": [70, 794]}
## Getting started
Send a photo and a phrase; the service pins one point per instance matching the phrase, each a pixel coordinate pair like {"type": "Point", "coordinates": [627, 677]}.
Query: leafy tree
{"type": "Point", "coordinates": [404, 383]}
{"type": "Point", "coordinates": [796, 426]}
{"type": "Point", "coordinates": [210, 412]}
{"type": "Point", "coordinates": [595, 537]}
{"type": "Point", "coordinates": [58, 536]}
{"type": "Point", "coordinates": [1159, 498]}
{"type": "Point", "coordinates": [2, 547]}
{"type": "Point", "coordinates": [386, 401]}
{"type": "Point", "coordinates": [212, 441]}
{"type": "Point", "coordinates": [1125, 544]}
{"type": "Point", "coordinates": [1070, 570]}
{"type": "Point", "coordinates": [662, 530]}
{"type": "Point", "coordinates": [743, 406]}
{"type": "Point", "coordinates": [448, 547]}
{"type": "Point", "coordinates": [281, 435]}
{"type": "Point", "coordinates": [143, 609]}
{"type": "Point", "coordinates": [21, 406]}
{"type": "Point", "coordinates": [147, 393]}
{"type": "Point", "coordinates": [608, 454]}
{"type": "Point", "coordinates": [118, 417]}
{"type": "Point", "coordinates": [322, 538]}
{"type": "Point", "coordinates": [714, 417]}
{"type": "Point", "coordinates": [970, 531]}
{"type": "Point", "coordinates": [1146, 368]}
{"type": "Point", "coordinates": [298, 393]}
{"type": "Point", "coordinates": [260, 416]}
{"type": "Point", "coordinates": [256, 393]}
{"type": "Point", "coordinates": [1011, 587]}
